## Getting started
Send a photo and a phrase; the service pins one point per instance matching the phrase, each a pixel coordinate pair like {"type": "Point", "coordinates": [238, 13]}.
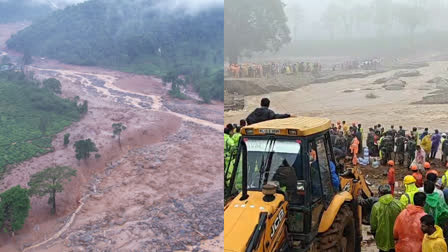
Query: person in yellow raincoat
{"type": "Point", "coordinates": [426, 145]}
{"type": "Point", "coordinates": [433, 240]}
{"type": "Point", "coordinates": [411, 189]}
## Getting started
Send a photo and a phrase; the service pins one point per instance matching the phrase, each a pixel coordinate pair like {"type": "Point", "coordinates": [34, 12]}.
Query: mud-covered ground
{"type": "Point", "coordinates": [160, 191]}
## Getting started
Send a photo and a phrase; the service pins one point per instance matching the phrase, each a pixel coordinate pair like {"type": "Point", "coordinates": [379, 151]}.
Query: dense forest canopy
{"type": "Point", "coordinates": [135, 36]}
{"type": "Point", "coordinates": [20, 10]}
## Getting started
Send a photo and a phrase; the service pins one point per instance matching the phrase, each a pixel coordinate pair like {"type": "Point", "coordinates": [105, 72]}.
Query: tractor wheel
{"type": "Point", "coordinates": [341, 236]}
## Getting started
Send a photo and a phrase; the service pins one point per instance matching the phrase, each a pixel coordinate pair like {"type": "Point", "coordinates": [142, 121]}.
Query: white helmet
{"type": "Point", "coordinates": [443, 135]}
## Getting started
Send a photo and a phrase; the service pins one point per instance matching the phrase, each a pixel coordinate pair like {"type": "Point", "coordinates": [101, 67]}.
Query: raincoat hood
{"type": "Point", "coordinates": [437, 234]}
{"type": "Point", "coordinates": [411, 188]}
{"type": "Point", "coordinates": [432, 199]}
{"type": "Point", "coordinates": [413, 210]}
{"type": "Point", "coordinates": [386, 199]}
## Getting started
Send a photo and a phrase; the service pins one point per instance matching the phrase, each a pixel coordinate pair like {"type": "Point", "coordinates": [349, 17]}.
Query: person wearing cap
{"type": "Point", "coordinates": [433, 240]}
{"type": "Point", "coordinates": [428, 169]}
{"type": "Point", "coordinates": [411, 189]}
{"type": "Point", "coordinates": [382, 218]}
{"type": "Point", "coordinates": [391, 175]}
{"type": "Point", "coordinates": [417, 175]}
{"type": "Point", "coordinates": [408, 237]}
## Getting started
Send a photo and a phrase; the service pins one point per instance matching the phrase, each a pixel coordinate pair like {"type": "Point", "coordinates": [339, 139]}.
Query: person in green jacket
{"type": "Point", "coordinates": [229, 149]}
{"type": "Point", "coordinates": [436, 206]}
{"type": "Point", "coordinates": [411, 189]}
{"type": "Point", "coordinates": [382, 218]}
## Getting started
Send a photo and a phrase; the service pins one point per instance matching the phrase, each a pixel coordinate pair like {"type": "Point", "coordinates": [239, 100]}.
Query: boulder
{"type": "Point", "coordinates": [394, 85]}
{"type": "Point", "coordinates": [407, 73]}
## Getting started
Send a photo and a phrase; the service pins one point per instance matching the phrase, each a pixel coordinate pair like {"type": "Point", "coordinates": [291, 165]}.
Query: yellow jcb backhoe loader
{"type": "Point", "coordinates": [280, 196]}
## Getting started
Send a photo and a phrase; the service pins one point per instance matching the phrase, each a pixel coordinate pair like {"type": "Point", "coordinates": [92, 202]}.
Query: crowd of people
{"type": "Point", "coordinates": [268, 70]}
{"type": "Point", "coordinates": [367, 64]}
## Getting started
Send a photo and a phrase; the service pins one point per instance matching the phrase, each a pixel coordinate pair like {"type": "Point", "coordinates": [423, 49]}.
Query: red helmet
{"type": "Point", "coordinates": [427, 165]}
{"type": "Point", "coordinates": [414, 168]}
{"type": "Point", "coordinates": [391, 162]}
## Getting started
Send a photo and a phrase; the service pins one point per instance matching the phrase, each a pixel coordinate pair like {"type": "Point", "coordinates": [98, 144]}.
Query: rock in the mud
{"type": "Point", "coordinates": [381, 80]}
{"type": "Point", "coordinates": [407, 73]}
{"type": "Point", "coordinates": [394, 85]}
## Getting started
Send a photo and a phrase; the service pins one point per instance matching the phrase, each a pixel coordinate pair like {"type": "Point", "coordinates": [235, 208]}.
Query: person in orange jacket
{"type": "Point", "coordinates": [417, 175]}
{"type": "Point", "coordinates": [354, 149]}
{"type": "Point", "coordinates": [391, 175]}
{"type": "Point", "coordinates": [407, 230]}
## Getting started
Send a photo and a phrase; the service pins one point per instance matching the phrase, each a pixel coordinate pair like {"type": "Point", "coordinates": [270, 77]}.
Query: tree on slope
{"type": "Point", "coordinates": [83, 149]}
{"type": "Point", "coordinates": [14, 209]}
{"type": "Point", "coordinates": [49, 182]}
{"type": "Point", "coordinates": [118, 128]}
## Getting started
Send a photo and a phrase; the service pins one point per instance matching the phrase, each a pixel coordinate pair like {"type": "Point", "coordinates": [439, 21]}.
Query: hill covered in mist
{"type": "Point", "coordinates": [141, 36]}
{"type": "Point", "coordinates": [20, 10]}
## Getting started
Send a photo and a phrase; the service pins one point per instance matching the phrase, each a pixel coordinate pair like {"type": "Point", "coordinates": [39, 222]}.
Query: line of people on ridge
{"type": "Point", "coordinates": [267, 70]}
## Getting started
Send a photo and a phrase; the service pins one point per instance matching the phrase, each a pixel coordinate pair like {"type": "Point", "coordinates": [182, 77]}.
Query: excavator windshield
{"type": "Point", "coordinates": [273, 161]}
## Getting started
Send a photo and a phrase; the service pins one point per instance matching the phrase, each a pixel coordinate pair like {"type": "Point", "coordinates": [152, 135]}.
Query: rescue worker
{"type": "Point", "coordinates": [435, 142]}
{"type": "Point", "coordinates": [445, 178]}
{"type": "Point", "coordinates": [420, 158]}
{"type": "Point", "coordinates": [370, 141]}
{"type": "Point", "coordinates": [354, 149]}
{"type": "Point", "coordinates": [433, 178]}
{"type": "Point", "coordinates": [242, 123]}
{"type": "Point", "coordinates": [428, 169]}
{"type": "Point", "coordinates": [435, 205]}
{"type": "Point", "coordinates": [387, 148]}
{"type": "Point", "coordinates": [410, 190]}
{"type": "Point", "coordinates": [264, 113]}
{"type": "Point", "coordinates": [415, 135]}
{"type": "Point", "coordinates": [401, 131]}
{"type": "Point", "coordinates": [399, 150]}
{"type": "Point", "coordinates": [444, 149]}
{"type": "Point", "coordinates": [345, 128]}
{"type": "Point", "coordinates": [340, 142]}
{"type": "Point", "coordinates": [359, 136]}
{"type": "Point", "coordinates": [426, 145]}
{"type": "Point", "coordinates": [433, 240]}
{"type": "Point", "coordinates": [410, 149]}
{"type": "Point", "coordinates": [417, 175]}
{"type": "Point", "coordinates": [391, 175]}
{"type": "Point", "coordinates": [382, 218]}
{"type": "Point", "coordinates": [229, 149]}
{"type": "Point", "coordinates": [425, 132]}
{"type": "Point", "coordinates": [405, 232]}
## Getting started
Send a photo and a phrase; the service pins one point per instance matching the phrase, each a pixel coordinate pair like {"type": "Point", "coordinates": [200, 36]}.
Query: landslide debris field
{"type": "Point", "coordinates": [158, 192]}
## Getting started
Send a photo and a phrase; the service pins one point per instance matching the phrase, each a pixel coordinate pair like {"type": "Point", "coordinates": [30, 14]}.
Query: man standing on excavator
{"type": "Point", "coordinates": [264, 113]}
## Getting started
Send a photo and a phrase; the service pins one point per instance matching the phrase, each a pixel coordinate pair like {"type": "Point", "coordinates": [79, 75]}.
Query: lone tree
{"type": "Point", "coordinates": [50, 181]}
{"type": "Point", "coordinates": [83, 149]}
{"type": "Point", "coordinates": [66, 139]}
{"type": "Point", "coordinates": [53, 85]}
{"type": "Point", "coordinates": [118, 128]}
{"type": "Point", "coordinates": [27, 59]}
{"type": "Point", "coordinates": [14, 209]}
{"type": "Point", "coordinates": [253, 26]}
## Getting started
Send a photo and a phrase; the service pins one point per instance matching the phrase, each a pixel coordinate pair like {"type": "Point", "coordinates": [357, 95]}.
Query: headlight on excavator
{"type": "Point", "coordinates": [347, 187]}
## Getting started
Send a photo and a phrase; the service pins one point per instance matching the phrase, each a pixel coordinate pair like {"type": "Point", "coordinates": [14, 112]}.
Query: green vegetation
{"type": "Point", "coordinates": [29, 118]}
{"type": "Point", "coordinates": [19, 10]}
{"type": "Point", "coordinates": [118, 128]}
{"type": "Point", "coordinates": [14, 209]}
{"type": "Point", "coordinates": [83, 149]}
{"type": "Point", "coordinates": [49, 182]}
{"type": "Point", "coordinates": [53, 85]}
{"type": "Point", "coordinates": [131, 36]}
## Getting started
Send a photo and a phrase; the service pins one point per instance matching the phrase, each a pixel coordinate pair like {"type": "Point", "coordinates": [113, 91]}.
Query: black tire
{"type": "Point", "coordinates": [342, 233]}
